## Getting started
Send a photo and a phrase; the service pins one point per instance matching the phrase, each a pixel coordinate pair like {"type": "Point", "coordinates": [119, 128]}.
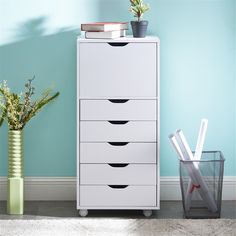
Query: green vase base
{"type": "Point", "coordinates": [15, 200]}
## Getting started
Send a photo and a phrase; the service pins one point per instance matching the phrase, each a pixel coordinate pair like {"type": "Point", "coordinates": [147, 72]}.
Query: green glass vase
{"type": "Point", "coordinates": [15, 200]}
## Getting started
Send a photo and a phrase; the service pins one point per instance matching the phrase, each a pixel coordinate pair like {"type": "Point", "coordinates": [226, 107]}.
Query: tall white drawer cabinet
{"type": "Point", "coordinates": [118, 124]}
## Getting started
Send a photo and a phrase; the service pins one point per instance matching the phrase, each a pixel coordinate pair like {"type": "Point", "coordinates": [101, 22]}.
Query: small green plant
{"type": "Point", "coordinates": [16, 109]}
{"type": "Point", "coordinates": [138, 8]}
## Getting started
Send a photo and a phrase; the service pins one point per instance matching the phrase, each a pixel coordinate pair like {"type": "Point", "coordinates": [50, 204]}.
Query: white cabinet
{"type": "Point", "coordinates": [118, 124]}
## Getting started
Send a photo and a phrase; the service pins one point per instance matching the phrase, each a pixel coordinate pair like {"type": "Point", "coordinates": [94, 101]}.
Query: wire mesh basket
{"type": "Point", "coordinates": [199, 202]}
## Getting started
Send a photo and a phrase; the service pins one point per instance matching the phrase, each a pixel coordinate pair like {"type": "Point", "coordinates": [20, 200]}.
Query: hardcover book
{"type": "Point", "coordinates": [105, 35]}
{"type": "Point", "coordinates": [104, 26]}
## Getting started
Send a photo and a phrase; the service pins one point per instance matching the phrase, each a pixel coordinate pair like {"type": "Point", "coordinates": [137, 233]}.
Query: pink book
{"type": "Point", "coordinates": [104, 26]}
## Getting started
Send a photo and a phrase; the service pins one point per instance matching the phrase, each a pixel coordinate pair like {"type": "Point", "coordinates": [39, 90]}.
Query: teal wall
{"type": "Point", "coordinates": [198, 76]}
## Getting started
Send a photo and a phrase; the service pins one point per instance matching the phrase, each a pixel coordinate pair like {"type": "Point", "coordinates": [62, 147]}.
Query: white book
{"type": "Point", "coordinates": [105, 35]}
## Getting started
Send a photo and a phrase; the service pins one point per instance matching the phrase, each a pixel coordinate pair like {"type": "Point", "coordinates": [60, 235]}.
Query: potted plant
{"type": "Point", "coordinates": [139, 27]}
{"type": "Point", "coordinates": [17, 110]}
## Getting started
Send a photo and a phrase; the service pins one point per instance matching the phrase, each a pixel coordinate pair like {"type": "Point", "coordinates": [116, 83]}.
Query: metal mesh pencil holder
{"type": "Point", "coordinates": [202, 199]}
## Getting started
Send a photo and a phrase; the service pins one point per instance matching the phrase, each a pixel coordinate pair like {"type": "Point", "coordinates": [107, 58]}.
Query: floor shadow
{"type": "Point", "coordinates": [50, 137]}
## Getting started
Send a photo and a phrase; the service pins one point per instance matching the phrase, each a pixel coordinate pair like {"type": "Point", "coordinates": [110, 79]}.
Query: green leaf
{"type": "Point", "coordinates": [17, 110]}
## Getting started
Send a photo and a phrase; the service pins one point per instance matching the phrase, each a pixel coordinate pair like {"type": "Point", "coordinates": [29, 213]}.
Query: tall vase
{"type": "Point", "coordinates": [15, 200]}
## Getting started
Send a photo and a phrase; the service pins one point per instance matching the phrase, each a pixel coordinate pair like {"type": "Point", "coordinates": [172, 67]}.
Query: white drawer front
{"type": "Point", "coordinates": [130, 174]}
{"type": "Point", "coordinates": [107, 196]}
{"type": "Point", "coordinates": [104, 131]}
{"type": "Point", "coordinates": [118, 109]}
{"type": "Point", "coordinates": [117, 71]}
{"type": "Point", "coordinates": [118, 152]}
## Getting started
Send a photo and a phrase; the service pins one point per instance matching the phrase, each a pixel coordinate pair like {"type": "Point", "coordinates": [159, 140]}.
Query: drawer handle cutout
{"type": "Point", "coordinates": [118, 143]}
{"type": "Point", "coordinates": [118, 100]}
{"type": "Point", "coordinates": [118, 186]}
{"type": "Point", "coordinates": [118, 122]}
{"type": "Point", "coordinates": [117, 44]}
{"type": "Point", "coordinates": [118, 165]}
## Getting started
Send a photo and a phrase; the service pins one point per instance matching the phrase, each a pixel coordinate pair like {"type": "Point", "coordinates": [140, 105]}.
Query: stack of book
{"type": "Point", "coordinates": [104, 30]}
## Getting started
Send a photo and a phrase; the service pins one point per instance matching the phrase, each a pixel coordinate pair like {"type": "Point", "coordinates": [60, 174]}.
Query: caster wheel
{"type": "Point", "coordinates": [147, 213]}
{"type": "Point", "coordinates": [83, 213]}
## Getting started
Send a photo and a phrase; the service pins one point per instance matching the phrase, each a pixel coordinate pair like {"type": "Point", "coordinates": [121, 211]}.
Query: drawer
{"type": "Point", "coordinates": [118, 152]}
{"type": "Point", "coordinates": [114, 70]}
{"type": "Point", "coordinates": [118, 109]}
{"type": "Point", "coordinates": [112, 131]}
{"type": "Point", "coordinates": [123, 196]}
{"type": "Point", "coordinates": [118, 174]}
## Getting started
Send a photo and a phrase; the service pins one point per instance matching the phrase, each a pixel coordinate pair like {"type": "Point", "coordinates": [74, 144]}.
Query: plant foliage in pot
{"type": "Point", "coordinates": [139, 27]}
{"type": "Point", "coordinates": [17, 110]}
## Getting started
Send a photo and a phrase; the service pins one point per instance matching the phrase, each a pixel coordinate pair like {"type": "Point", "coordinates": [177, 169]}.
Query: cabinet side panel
{"type": "Point", "coordinates": [158, 121]}
{"type": "Point", "coordinates": [77, 126]}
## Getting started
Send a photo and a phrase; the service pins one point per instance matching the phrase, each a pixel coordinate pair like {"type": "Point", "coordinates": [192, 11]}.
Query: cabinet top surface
{"type": "Point", "coordinates": [122, 39]}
